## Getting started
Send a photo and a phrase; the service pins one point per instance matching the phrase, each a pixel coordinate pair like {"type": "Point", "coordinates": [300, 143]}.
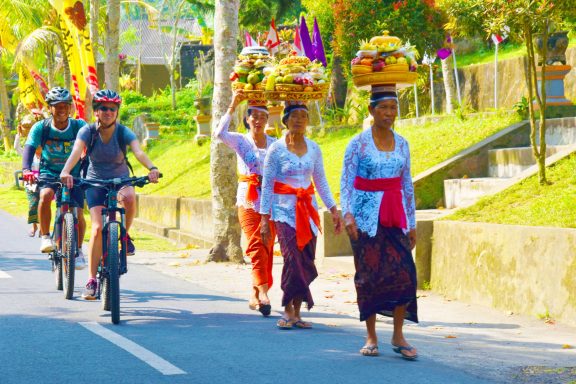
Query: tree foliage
{"type": "Point", "coordinates": [255, 15]}
{"type": "Point", "coordinates": [419, 21]}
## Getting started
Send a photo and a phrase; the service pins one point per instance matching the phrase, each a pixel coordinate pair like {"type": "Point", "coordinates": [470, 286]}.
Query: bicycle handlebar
{"type": "Point", "coordinates": [116, 182]}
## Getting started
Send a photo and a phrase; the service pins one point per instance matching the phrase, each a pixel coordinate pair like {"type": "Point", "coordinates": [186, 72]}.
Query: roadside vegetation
{"type": "Point", "coordinates": [529, 203]}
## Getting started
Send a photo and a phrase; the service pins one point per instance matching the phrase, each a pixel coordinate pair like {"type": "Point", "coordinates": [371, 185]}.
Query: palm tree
{"type": "Point", "coordinates": [112, 61]}
{"type": "Point", "coordinates": [223, 160]}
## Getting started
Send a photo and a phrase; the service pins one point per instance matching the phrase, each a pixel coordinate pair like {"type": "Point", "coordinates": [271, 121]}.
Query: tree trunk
{"type": "Point", "coordinates": [223, 176]}
{"type": "Point", "coordinates": [94, 35]}
{"type": "Point", "coordinates": [447, 76]}
{"type": "Point", "coordinates": [5, 106]}
{"type": "Point", "coordinates": [172, 66]}
{"type": "Point", "coordinates": [50, 66]}
{"type": "Point", "coordinates": [112, 63]}
{"type": "Point", "coordinates": [338, 83]}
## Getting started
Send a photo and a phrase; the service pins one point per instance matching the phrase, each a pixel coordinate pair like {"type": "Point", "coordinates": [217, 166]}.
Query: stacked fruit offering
{"type": "Point", "coordinates": [250, 69]}
{"type": "Point", "coordinates": [297, 74]}
{"type": "Point", "coordinates": [384, 54]}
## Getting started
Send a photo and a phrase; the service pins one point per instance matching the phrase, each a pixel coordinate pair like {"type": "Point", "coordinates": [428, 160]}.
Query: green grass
{"type": "Point", "coordinates": [529, 203]}
{"type": "Point", "coordinates": [14, 201]}
{"type": "Point", "coordinates": [485, 55]}
{"type": "Point", "coordinates": [186, 166]}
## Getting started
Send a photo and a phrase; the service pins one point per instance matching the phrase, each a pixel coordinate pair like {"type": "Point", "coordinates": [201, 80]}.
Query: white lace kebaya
{"type": "Point", "coordinates": [249, 157]}
{"type": "Point", "coordinates": [363, 159]}
{"type": "Point", "coordinates": [283, 166]}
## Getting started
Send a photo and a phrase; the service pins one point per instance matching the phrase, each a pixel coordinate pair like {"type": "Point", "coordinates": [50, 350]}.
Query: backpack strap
{"type": "Point", "coordinates": [46, 125]}
{"type": "Point", "coordinates": [120, 137]}
{"type": "Point", "coordinates": [89, 148]}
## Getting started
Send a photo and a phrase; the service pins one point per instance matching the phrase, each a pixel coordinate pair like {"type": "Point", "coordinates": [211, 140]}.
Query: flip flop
{"type": "Point", "coordinates": [399, 349]}
{"type": "Point", "coordinates": [265, 309]}
{"type": "Point", "coordinates": [302, 324]}
{"type": "Point", "coordinates": [369, 350]}
{"type": "Point", "coordinates": [288, 324]}
{"type": "Point", "coordinates": [32, 232]}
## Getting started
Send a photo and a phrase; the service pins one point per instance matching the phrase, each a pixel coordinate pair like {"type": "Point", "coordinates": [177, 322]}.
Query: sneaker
{"type": "Point", "coordinates": [90, 290]}
{"type": "Point", "coordinates": [47, 245]}
{"type": "Point", "coordinates": [131, 248]}
{"type": "Point", "coordinates": [80, 260]}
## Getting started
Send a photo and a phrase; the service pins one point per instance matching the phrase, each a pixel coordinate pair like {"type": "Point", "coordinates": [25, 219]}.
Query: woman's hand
{"type": "Point", "coordinates": [336, 220]}
{"type": "Point", "coordinates": [67, 179]}
{"type": "Point", "coordinates": [412, 238]}
{"type": "Point", "coordinates": [236, 99]}
{"type": "Point", "coordinates": [350, 225]}
{"type": "Point", "coordinates": [265, 229]}
{"type": "Point", "coordinates": [154, 175]}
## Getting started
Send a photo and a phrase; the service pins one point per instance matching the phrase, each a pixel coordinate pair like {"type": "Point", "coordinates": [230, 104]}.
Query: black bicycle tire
{"type": "Point", "coordinates": [57, 269]}
{"type": "Point", "coordinates": [69, 255]}
{"type": "Point", "coordinates": [106, 293]}
{"type": "Point", "coordinates": [113, 260]}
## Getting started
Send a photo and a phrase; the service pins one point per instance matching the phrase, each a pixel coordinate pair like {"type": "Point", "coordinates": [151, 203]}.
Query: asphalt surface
{"type": "Point", "coordinates": [187, 322]}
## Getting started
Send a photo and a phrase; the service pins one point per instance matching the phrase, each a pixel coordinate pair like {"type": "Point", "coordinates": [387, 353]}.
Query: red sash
{"type": "Point", "coordinates": [304, 211]}
{"type": "Point", "coordinates": [391, 209]}
{"type": "Point", "coordinates": [253, 181]}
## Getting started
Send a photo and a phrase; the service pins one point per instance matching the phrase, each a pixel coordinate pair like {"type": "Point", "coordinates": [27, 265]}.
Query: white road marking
{"type": "Point", "coordinates": [141, 353]}
{"type": "Point", "coordinates": [4, 275]}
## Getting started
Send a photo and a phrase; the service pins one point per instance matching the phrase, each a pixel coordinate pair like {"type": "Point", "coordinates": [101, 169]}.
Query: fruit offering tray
{"type": "Point", "coordinates": [401, 79]}
{"type": "Point", "coordinates": [254, 96]}
{"type": "Point", "coordinates": [293, 95]}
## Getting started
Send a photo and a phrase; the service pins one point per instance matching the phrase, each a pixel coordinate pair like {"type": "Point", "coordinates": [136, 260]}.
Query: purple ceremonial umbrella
{"type": "Point", "coordinates": [318, 45]}
{"type": "Point", "coordinates": [306, 42]}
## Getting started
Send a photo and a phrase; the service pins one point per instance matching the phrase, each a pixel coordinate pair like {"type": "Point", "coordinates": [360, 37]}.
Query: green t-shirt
{"type": "Point", "coordinates": [57, 148]}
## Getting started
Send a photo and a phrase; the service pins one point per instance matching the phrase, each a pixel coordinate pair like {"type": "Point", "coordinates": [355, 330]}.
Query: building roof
{"type": "Point", "coordinates": [154, 44]}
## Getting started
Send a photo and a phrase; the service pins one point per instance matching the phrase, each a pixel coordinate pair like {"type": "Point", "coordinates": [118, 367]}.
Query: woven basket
{"type": "Point", "coordinates": [255, 97]}
{"type": "Point", "coordinates": [238, 85]}
{"type": "Point", "coordinates": [361, 69]}
{"type": "Point", "coordinates": [289, 87]}
{"type": "Point", "coordinates": [293, 96]}
{"type": "Point", "coordinates": [401, 79]}
{"type": "Point", "coordinates": [321, 87]}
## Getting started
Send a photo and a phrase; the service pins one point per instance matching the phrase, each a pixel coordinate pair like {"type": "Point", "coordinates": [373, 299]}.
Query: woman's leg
{"type": "Point", "coordinates": [398, 339]}
{"type": "Point", "coordinates": [95, 244]}
{"type": "Point", "coordinates": [127, 199]}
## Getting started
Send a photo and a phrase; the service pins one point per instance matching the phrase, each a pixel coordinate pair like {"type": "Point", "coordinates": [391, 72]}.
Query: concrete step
{"type": "Point", "coordinates": [561, 131]}
{"type": "Point", "coordinates": [509, 162]}
{"type": "Point", "coordinates": [464, 192]}
{"type": "Point", "coordinates": [149, 226]}
{"type": "Point", "coordinates": [189, 239]}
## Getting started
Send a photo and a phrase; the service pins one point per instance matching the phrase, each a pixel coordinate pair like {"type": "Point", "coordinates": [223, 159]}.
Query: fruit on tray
{"type": "Point", "coordinates": [251, 67]}
{"type": "Point", "coordinates": [296, 73]}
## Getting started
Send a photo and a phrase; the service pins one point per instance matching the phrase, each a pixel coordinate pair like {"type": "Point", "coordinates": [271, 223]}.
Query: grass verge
{"type": "Point", "coordinates": [529, 203]}
{"type": "Point", "coordinates": [14, 201]}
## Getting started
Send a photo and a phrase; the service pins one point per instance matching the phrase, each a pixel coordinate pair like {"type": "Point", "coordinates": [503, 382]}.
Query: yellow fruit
{"type": "Point", "coordinates": [308, 89]}
{"type": "Point", "coordinates": [401, 60]}
{"type": "Point", "coordinates": [270, 83]}
{"type": "Point", "coordinates": [249, 87]}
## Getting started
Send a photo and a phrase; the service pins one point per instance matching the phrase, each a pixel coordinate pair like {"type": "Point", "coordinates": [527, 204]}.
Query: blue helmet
{"type": "Point", "coordinates": [58, 95]}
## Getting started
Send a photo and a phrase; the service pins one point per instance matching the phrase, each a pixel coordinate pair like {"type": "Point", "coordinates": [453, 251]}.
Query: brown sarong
{"type": "Point", "coordinates": [299, 270]}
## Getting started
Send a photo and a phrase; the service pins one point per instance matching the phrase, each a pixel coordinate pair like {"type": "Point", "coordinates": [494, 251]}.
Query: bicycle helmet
{"type": "Point", "coordinates": [105, 96]}
{"type": "Point", "coordinates": [58, 95]}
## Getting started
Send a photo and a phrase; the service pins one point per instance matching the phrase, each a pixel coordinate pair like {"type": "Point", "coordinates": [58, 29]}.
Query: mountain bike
{"type": "Point", "coordinates": [65, 237]}
{"type": "Point", "coordinates": [113, 263]}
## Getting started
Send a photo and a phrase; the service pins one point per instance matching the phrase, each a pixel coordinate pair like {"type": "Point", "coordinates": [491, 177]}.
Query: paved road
{"type": "Point", "coordinates": [175, 331]}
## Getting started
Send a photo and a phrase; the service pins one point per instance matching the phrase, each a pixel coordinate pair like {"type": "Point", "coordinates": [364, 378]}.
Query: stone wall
{"type": "Point", "coordinates": [527, 270]}
{"type": "Point", "coordinates": [477, 84]}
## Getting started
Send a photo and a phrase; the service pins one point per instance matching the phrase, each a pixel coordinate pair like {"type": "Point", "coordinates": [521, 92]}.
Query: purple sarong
{"type": "Point", "coordinates": [299, 270]}
{"type": "Point", "coordinates": [385, 273]}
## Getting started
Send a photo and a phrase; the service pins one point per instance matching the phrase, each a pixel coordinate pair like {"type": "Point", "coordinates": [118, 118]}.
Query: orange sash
{"type": "Point", "coordinates": [253, 181]}
{"type": "Point", "coordinates": [304, 211]}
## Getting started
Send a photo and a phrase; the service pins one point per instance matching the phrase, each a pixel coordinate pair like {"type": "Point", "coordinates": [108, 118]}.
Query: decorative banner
{"type": "Point", "coordinates": [319, 53]}
{"type": "Point", "coordinates": [248, 40]}
{"type": "Point", "coordinates": [29, 94]}
{"type": "Point", "coordinates": [273, 41]}
{"type": "Point", "coordinates": [39, 81]}
{"type": "Point", "coordinates": [78, 85]}
{"type": "Point", "coordinates": [7, 39]}
{"type": "Point", "coordinates": [306, 42]}
{"type": "Point", "coordinates": [298, 43]}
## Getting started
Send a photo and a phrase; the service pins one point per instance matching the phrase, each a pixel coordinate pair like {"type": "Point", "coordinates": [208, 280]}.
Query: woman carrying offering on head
{"type": "Point", "coordinates": [291, 164]}
{"type": "Point", "coordinates": [251, 150]}
{"type": "Point", "coordinates": [376, 178]}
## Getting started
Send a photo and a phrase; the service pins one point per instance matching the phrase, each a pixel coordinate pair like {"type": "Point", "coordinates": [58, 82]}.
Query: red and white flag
{"type": "Point", "coordinates": [273, 40]}
{"type": "Point", "coordinates": [298, 43]}
{"type": "Point", "coordinates": [497, 39]}
{"type": "Point", "coordinates": [248, 40]}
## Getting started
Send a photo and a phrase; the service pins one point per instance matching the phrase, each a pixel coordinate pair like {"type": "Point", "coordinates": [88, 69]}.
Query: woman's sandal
{"type": "Point", "coordinates": [369, 350]}
{"type": "Point", "coordinates": [302, 324]}
{"type": "Point", "coordinates": [285, 323]}
{"type": "Point", "coordinates": [265, 309]}
{"type": "Point", "coordinates": [399, 349]}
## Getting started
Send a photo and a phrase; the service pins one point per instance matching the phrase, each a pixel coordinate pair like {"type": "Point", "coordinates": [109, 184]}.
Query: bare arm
{"type": "Point", "coordinates": [144, 160]}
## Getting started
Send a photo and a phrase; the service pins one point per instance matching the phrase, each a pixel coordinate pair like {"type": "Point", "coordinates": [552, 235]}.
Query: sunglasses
{"type": "Point", "coordinates": [106, 109]}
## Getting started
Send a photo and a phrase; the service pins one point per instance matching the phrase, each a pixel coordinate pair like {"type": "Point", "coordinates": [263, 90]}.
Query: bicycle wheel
{"type": "Point", "coordinates": [70, 246]}
{"type": "Point", "coordinates": [114, 271]}
{"type": "Point", "coordinates": [57, 269]}
{"type": "Point", "coordinates": [106, 293]}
